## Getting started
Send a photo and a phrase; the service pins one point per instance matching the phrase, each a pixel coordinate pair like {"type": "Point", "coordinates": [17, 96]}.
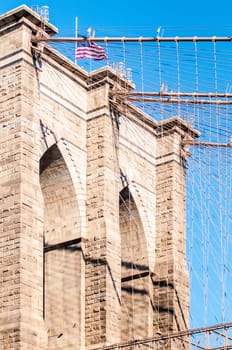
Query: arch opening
{"type": "Point", "coordinates": [62, 252]}
{"type": "Point", "coordinates": [135, 294]}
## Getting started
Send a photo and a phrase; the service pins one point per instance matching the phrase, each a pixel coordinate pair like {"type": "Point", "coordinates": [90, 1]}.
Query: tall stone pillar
{"type": "Point", "coordinates": [21, 227]}
{"type": "Point", "coordinates": [103, 255]}
{"type": "Point", "coordinates": [171, 278]}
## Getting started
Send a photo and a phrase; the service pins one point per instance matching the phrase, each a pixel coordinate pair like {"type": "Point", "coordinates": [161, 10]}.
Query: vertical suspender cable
{"type": "Point", "coordinates": [76, 35]}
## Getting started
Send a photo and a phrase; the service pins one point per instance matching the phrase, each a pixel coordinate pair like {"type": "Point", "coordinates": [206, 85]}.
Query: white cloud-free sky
{"type": "Point", "coordinates": [134, 14]}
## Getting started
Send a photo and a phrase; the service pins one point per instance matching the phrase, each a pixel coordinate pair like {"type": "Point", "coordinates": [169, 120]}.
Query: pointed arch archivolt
{"type": "Point", "coordinates": [63, 258]}
{"type": "Point", "coordinates": [75, 160]}
{"type": "Point", "coordinates": [145, 200]}
{"type": "Point", "coordinates": [61, 210]}
{"type": "Point", "coordinates": [135, 294]}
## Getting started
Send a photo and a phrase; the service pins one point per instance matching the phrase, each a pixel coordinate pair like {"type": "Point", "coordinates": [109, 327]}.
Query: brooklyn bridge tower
{"type": "Point", "coordinates": [92, 206]}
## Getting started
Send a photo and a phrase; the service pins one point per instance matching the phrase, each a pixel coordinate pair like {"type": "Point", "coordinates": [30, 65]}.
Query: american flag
{"type": "Point", "coordinates": [90, 49]}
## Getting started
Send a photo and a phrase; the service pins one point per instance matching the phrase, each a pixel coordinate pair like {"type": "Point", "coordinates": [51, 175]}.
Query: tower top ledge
{"type": "Point", "coordinates": [16, 15]}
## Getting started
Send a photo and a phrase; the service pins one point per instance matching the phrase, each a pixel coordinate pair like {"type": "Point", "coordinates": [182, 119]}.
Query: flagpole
{"type": "Point", "coordinates": [76, 35]}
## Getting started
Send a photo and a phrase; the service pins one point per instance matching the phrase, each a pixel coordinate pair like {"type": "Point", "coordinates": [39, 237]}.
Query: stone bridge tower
{"type": "Point", "coordinates": [92, 205]}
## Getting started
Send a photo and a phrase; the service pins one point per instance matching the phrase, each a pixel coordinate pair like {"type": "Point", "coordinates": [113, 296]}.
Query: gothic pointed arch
{"type": "Point", "coordinates": [62, 252]}
{"type": "Point", "coordinates": [136, 298]}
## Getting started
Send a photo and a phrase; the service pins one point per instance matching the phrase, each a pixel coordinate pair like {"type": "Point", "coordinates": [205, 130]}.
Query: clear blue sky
{"type": "Point", "coordinates": [149, 13]}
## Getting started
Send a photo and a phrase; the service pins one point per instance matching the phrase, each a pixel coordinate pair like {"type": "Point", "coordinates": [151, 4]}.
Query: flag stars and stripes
{"type": "Point", "coordinates": [90, 49]}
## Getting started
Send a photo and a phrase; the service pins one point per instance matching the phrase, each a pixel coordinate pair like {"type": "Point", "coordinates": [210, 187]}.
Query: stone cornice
{"type": "Point", "coordinates": [23, 12]}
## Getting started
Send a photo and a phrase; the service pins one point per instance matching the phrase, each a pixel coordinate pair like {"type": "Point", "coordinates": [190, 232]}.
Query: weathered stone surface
{"type": "Point", "coordinates": [92, 205]}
